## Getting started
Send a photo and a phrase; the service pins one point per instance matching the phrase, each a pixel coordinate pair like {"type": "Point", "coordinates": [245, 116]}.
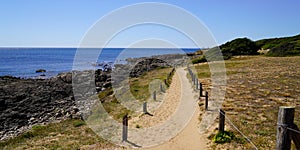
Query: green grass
{"type": "Point", "coordinates": [75, 134]}
{"type": "Point", "coordinates": [115, 109]}
{"type": "Point", "coordinates": [223, 137]}
{"type": "Point", "coordinates": [68, 134]}
{"type": "Point", "coordinates": [203, 70]}
{"type": "Point", "coordinates": [139, 87]}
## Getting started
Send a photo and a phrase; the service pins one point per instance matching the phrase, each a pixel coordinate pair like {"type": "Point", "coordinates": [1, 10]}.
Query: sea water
{"type": "Point", "coordinates": [23, 62]}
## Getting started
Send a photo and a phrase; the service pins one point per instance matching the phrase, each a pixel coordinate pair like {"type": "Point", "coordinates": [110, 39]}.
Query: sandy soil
{"type": "Point", "coordinates": [189, 138]}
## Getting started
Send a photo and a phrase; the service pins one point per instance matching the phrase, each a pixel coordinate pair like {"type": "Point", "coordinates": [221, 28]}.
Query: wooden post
{"type": "Point", "coordinates": [154, 95]}
{"type": "Point", "coordinates": [201, 90]}
{"type": "Point", "coordinates": [197, 84]}
{"type": "Point", "coordinates": [222, 121]}
{"type": "Point", "coordinates": [192, 76]}
{"type": "Point", "coordinates": [285, 119]}
{"type": "Point", "coordinates": [145, 108]}
{"type": "Point", "coordinates": [125, 128]}
{"type": "Point", "coordinates": [206, 100]}
{"type": "Point", "coordinates": [296, 136]}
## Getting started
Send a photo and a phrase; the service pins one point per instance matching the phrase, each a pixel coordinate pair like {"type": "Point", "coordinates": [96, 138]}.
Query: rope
{"type": "Point", "coordinates": [283, 125]}
{"type": "Point", "coordinates": [286, 126]}
{"type": "Point", "coordinates": [293, 130]}
{"type": "Point", "coordinates": [236, 128]}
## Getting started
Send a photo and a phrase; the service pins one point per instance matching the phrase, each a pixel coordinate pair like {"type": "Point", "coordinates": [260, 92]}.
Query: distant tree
{"type": "Point", "coordinates": [285, 49]}
{"type": "Point", "coordinates": [240, 46]}
{"type": "Point", "coordinates": [284, 46]}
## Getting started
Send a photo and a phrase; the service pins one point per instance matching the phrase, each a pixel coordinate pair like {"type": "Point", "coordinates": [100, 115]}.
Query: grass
{"type": "Point", "coordinates": [223, 137]}
{"type": "Point", "coordinates": [75, 134]}
{"type": "Point", "coordinates": [68, 134]}
{"type": "Point", "coordinates": [203, 70]}
{"type": "Point", "coordinates": [115, 109]}
{"type": "Point", "coordinates": [256, 87]}
{"type": "Point", "coordinates": [139, 87]}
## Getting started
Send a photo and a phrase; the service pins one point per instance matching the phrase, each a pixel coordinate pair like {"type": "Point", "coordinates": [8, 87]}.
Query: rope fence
{"type": "Point", "coordinates": [287, 130]}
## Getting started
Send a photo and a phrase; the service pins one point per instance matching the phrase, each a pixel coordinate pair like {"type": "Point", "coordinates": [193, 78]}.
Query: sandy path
{"type": "Point", "coordinates": [174, 124]}
{"type": "Point", "coordinates": [189, 138]}
{"type": "Point", "coordinates": [169, 102]}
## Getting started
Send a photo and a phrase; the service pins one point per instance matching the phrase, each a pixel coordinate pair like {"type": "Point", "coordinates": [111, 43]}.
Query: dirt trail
{"type": "Point", "coordinates": [189, 138]}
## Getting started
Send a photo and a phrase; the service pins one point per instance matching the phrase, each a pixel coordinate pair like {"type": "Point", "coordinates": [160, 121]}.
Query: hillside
{"type": "Point", "coordinates": [275, 47]}
{"type": "Point", "coordinates": [285, 46]}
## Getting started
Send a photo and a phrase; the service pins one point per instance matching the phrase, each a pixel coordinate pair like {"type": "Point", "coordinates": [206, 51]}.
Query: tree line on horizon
{"type": "Point", "coordinates": [276, 47]}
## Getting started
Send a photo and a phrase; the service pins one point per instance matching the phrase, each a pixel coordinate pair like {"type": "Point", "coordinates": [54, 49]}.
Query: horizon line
{"type": "Point", "coordinates": [98, 47]}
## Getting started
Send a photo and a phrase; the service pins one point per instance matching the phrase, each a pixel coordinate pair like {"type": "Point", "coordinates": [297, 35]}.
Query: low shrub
{"type": "Point", "coordinates": [223, 137]}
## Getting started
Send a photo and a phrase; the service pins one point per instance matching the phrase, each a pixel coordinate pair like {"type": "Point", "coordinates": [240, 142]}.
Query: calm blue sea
{"type": "Point", "coordinates": [23, 62]}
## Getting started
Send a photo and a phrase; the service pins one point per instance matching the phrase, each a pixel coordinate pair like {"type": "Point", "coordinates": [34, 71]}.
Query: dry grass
{"type": "Point", "coordinates": [75, 134]}
{"type": "Point", "coordinates": [69, 134]}
{"type": "Point", "coordinates": [256, 87]}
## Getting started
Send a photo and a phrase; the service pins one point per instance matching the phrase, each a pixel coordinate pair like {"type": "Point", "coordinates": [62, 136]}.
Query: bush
{"type": "Point", "coordinates": [105, 93]}
{"type": "Point", "coordinates": [199, 60]}
{"type": "Point", "coordinates": [223, 137]}
{"type": "Point", "coordinates": [78, 123]}
{"type": "Point", "coordinates": [284, 49]}
{"type": "Point", "coordinates": [240, 46]}
{"type": "Point", "coordinates": [37, 127]}
{"type": "Point", "coordinates": [27, 135]}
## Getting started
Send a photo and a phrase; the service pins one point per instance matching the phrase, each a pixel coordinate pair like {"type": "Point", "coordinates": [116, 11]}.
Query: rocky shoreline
{"type": "Point", "coordinates": [27, 102]}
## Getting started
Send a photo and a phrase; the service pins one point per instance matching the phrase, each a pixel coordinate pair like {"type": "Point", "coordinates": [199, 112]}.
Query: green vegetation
{"type": "Point", "coordinates": [75, 134]}
{"type": "Point", "coordinates": [278, 47]}
{"type": "Point", "coordinates": [115, 109]}
{"type": "Point", "coordinates": [223, 137]}
{"type": "Point", "coordinates": [104, 94]}
{"type": "Point", "coordinates": [139, 87]}
{"type": "Point", "coordinates": [240, 46]}
{"type": "Point", "coordinates": [68, 134]}
{"type": "Point", "coordinates": [286, 46]}
{"type": "Point", "coordinates": [78, 123]}
{"type": "Point", "coordinates": [203, 71]}
{"type": "Point", "coordinates": [200, 59]}
{"type": "Point", "coordinates": [273, 42]}
{"type": "Point", "coordinates": [168, 79]}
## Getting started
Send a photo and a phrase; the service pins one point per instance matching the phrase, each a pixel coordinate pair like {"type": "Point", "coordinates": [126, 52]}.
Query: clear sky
{"type": "Point", "coordinates": [58, 23]}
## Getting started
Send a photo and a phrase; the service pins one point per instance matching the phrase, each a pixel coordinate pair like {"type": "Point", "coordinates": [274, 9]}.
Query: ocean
{"type": "Point", "coordinates": [23, 62]}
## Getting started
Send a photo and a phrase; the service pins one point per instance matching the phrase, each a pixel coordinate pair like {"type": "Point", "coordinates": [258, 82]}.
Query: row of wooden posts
{"type": "Point", "coordinates": [169, 76]}
{"type": "Point", "coordinates": [145, 111]}
{"type": "Point", "coordinates": [287, 130]}
{"type": "Point", "coordinates": [198, 86]}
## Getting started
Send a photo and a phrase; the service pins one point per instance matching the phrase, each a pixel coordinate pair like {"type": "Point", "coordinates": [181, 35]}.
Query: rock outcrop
{"type": "Point", "coordinates": [24, 102]}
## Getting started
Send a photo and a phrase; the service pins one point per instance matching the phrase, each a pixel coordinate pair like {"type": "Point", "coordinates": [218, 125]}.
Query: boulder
{"type": "Point", "coordinates": [40, 71]}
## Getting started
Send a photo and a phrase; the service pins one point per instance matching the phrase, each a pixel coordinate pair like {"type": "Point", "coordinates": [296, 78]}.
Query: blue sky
{"type": "Point", "coordinates": [63, 23]}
